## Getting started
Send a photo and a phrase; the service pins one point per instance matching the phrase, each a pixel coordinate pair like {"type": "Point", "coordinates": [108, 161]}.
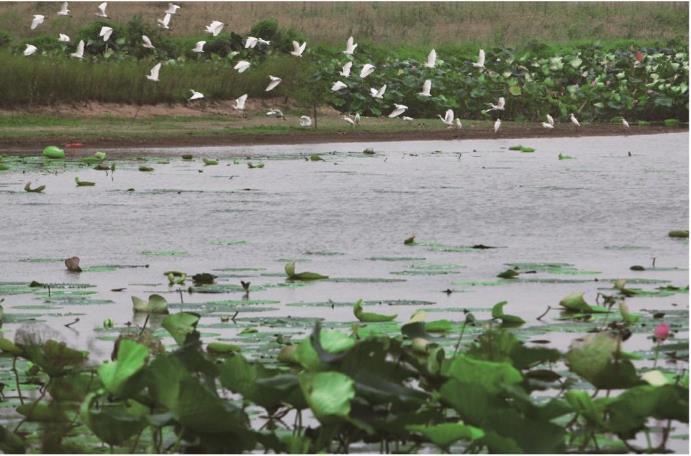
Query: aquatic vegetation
{"type": "Point", "coordinates": [521, 148]}
{"type": "Point", "coordinates": [72, 264]}
{"type": "Point", "coordinates": [506, 319]}
{"type": "Point", "coordinates": [305, 276]}
{"type": "Point", "coordinates": [679, 234]}
{"type": "Point", "coordinates": [565, 157]}
{"type": "Point", "coordinates": [210, 161]}
{"type": "Point", "coordinates": [369, 317]}
{"type": "Point", "coordinates": [156, 304]}
{"type": "Point", "coordinates": [81, 183]}
{"type": "Point", "coordinates": [145, 169]}
{"type": "Point", "coordinates": [53, 152]}
{"type": "Point", "coordinates": [39, 189]}
{"type": "Point", "coordinates": [575, 302]}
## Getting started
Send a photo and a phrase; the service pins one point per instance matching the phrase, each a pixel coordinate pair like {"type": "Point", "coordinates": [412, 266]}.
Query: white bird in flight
{"type": "Point", "coordinates": [497, 107]}
{"type": "Point", "coordinates": [263, 42]}
{"type": "Point", "coordinates": [338, 85]}
{"type": "Point", "coordinates": [350, 46]}
{"type": "Point", "coordinates": [63, 38]}
{"type": "Point", "coordinates": [367, 69]}
{"type": "Point", "coordinates": [305, 121]}
{"type": "Point", "coordinates": [250, 42]}
{"type": "Point", "coordinates": [624, 123]}
{"type": "Point", "coordinates": [241, 66]}
{"type": "Point", "coordinates": [274, 82]}
{"type": "Point", "coordinates": [102, 10]}
{"type": "Point", "coordinates": [196, 95]}
{"type": "Point", "coordinates": [448, 117]}
{"type": "Point", "coordinates": [426, 88]}
{"type": "Point", "coordinates": [214, 28]}
{"type": "Point", "coordinates": [547, 125]}
{"type": "Point", "coordinates": [378, 93]}
{"type": "Point", "coordinates": [400, 109]}
{"type": "Point", "coordinates": [574, 120]}
{"type": "Point", "coordinates": [497, 124]}
{"type": "Point", "coordinates": [153, 74]}
{"type": "Point", "coordinates": [79, 53]}
{"type": "Point", "coordinates": [240, 102]}
{"type": "Point", "coordinates": [199, 47]}
{"type": "Point", "coordinates": [64, 11]}
{"type": "Point", "coordinates": [277, 113]}
{"type": "Point", "coordinates": [37, 20]}
{"type": "Point", "coordinates": [407, 119]}
{"type": "Point", "coordinates": [147, 42]}
{"type": "Point", "coordinates": [298, 48]}
{"type": "Point", "coordinates": [550, 120]}
{"type": "Point", "coordinates": [480, 60]}
{"type": "Point", "coordinates": [172, 8]}
{"type": "Point", "coordinates": [349, 120]}
{"type": "Point", "coordinates": [431, 59]}
{"type": "Point", "coordinates": [30, 49]}
{"type": "Point", "coordinates": [105, 32]}
{"type": "Point", "coordinates": [345, 72]}
{"type": "Point", "coordinates": [165, 22]}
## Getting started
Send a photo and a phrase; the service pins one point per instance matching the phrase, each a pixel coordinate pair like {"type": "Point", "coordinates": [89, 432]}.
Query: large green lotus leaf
{"type": "Point", "coordinates": [163, 377]}
{"type": "Point", "coordinates": [445, 434]}
{"type": "Point", "coordinates": [42, 412]}
{"type": "Point", "coordinates": [584, 405]}
{"type": "Point", "coordinates": [629, 412]}
{"type": "Point", "coordinates": [181, 324]}
{"type": "Point", "coordinates": [7, 346]}
{"type": "Point", "coordinates": [506, 319]}
{"type": "Point", "coordinates": [113, 423]}
{"type": "Point", "coordinates": [597, 358]}
{"type": "Point", "coordinates": [490, 375]}
{"type": "Point", "coordinates": [157, 304]}
{"type": "Point", "coordinates": [72, 387]}
{"type": "Point", "coordinates": [305, 276]}
{"type": "Point", "coordinates": [199, 409]}
{"type": "Point", "coordinates": [328, 394]}
{"type": "Point", "coordinates": [370, 317]}
{"type": "Point", "coordinates": [131, 359]}
{"type": "Point", "coordinates": [333, 342]}
{"type": "Point", "coordinates": [576, 303]}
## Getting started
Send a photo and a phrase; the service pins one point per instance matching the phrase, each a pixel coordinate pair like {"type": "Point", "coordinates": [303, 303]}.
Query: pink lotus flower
{"type": "Point", "coordinates": [661, 332]}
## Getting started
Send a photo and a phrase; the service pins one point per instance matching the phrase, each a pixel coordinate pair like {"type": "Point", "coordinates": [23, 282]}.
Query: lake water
{"type": "Point", "coordinates": [605, 210]}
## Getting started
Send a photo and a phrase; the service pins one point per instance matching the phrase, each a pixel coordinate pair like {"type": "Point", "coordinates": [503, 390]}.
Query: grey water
{"type": "Point", "coordinates": [608, 208]}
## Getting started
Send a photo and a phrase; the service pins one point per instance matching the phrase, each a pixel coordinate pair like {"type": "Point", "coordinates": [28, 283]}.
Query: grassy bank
{"type": "Point", "coordinates": [390, 23]}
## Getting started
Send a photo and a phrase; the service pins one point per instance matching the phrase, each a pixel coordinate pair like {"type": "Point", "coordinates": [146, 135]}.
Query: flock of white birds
{"type": "Point", "coordinates": [215, 28]}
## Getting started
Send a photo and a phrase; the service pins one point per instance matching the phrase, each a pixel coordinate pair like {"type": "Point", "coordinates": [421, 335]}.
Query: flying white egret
{"type": "Point", "coordinates": [240, 102]}
{"type": "Point", "coordinates": [263, 42]}
{"type": "Point", "coordinates": [459, 125]}
{"type": "Point", "coordinates": [431, 59]}
{"type": "Point", "coordinates": [338, 85]}
{"type": "Point", "coordinates": [64, 11]}
{"type": "Point", "coordinates": [497, 107]}
{"type": "Point", "coordinates": [214, 28]}
{"type": "Point", "coordinates": [165, 22]}
{"type": "Point", "coordinates": [547, 125]}
{"type": "Point", "coordinates": [305, 121]}
{"type": "Point", "coordinates": [298, 48]}
{"type": "Point", "coordinates": [350, 46]}
{"type": "Point", "coordinates": [624, 123]}
{"type": "Point", "coordinates": [407, 119]}
{"type": "Point", "coordinates": [345, 72]}
{"type": "Point", "coordinates": [147, 42]}
{"type": "Point", "coordinates": [349, 120]}
{"type": "Point", "coordinates": [199, 47]}
{"type": "Point", "coordinates": [196, 95]}
{"type": "Point", "coordinates": [426, 88]}
{"type": "Point", "coordinates": [30, 49]}
{"type": "Point", "coordinates": [250, 42]}
{"type": "Point", "coordinates": [480, 60]}
{"type": "Point", "coordinates": [63, 38]}
{"type": "Point", "coordinates": [400, 109]}
{"type": "Point", "coordinates": [574, 120]}
{"type": "Point", "coordinates": [448, 117]}
{"type": "Point", "coordinates": [378, 93]}
{"type": "Point", "coordinates": [37, 20]}
{"type": "Point", "coordinates": [277, 113]}
{"type": "Point", "coordinates": [172, 8]}
{"type": "Point", "coordinates": [367, 69]}
{"type": "Point", "coordinates": [105, 32]}
{"type": "Point", "coordinates": [497, 124]}
{"type": "Point", "coordinates": [102, 10]}
{"type": "Point", "coordinates": [274, 82]}
{"type": "Point", "coordinates": [79, 53]}
{"type": "Point", "coordinates": [153, 74]}
{"type": "Point", "coordinates": [550, 120]}
{"type": "Point", "coordinates": [242, 66]}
